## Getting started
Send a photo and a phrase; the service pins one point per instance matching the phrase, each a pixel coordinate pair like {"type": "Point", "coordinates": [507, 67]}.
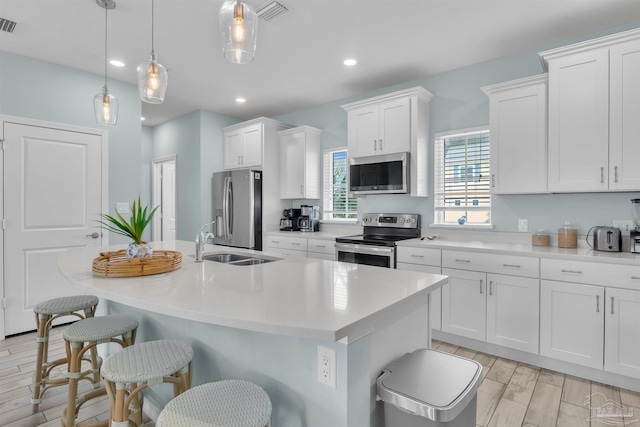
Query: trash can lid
{"type": "Point", "coordinates": [429, 383]}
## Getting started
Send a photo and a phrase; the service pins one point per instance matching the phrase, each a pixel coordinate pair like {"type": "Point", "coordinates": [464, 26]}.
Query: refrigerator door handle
{"type": "Point", "coordinates": [230, 208]}
{"type": "Point", "coordinates": [225, 210]}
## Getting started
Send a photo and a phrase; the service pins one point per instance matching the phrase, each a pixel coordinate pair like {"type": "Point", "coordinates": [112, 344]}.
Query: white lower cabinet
{"type": "Point", "coordinates": [512, 312]}
{"type": "Point", "coordinates": [288, 246]}
{"type": "Point", "coordinates": [321, 249]}
{"type": "Point", "coordinates": [572, 322]}
{"type": "Point", "coordinates": [622, 332]}
{"type": "Point", "coordinates": [464, 303]}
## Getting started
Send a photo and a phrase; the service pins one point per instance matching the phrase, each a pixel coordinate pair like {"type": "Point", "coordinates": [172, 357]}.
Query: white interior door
{"type": "Point", "coordinates": [53, 191]}
{"type": "Point", "coordinates": [169, 201]}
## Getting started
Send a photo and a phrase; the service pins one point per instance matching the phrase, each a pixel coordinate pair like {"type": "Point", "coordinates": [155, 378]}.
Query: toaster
{"type": "Point", "coordinates": [607, 239]}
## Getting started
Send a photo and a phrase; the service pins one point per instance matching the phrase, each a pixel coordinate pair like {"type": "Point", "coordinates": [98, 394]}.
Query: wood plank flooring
{"type": "Point", "coordinates": [511, 394]}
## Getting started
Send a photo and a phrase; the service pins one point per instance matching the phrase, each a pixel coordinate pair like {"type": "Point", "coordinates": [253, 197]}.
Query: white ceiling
{"type": "Point", "coordinates": [299, 56]}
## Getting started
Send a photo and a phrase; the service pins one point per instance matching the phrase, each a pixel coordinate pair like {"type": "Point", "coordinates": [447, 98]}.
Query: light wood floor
{"type": "Point", "coordinates": [511, 394]}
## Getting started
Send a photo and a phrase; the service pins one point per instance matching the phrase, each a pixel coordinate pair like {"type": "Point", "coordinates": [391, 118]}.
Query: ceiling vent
{"type": "Point", "coordinates": [271, 10]}
{"type": "Point", "coordinates": [7, 25]}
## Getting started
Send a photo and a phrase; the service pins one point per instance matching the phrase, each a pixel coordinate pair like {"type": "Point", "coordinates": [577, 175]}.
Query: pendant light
{"type": "Point", "coordinates": [239, 31]}
{"type": "Point", "coordinates": [152, 76]}
{"type": "Point", "coordinates": [105, 105]}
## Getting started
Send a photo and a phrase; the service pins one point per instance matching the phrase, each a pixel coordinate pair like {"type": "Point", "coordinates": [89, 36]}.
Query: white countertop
{"type": "Point", "coordinates": [502, 248]}
{"type": "Point", "coordinates": [295, 296]}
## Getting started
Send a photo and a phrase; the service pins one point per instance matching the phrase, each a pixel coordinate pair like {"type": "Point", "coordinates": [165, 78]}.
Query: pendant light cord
{"type": "Point", "coordinates": [106, 29]}
{"type": "Point", "coordinates": [152, 19]}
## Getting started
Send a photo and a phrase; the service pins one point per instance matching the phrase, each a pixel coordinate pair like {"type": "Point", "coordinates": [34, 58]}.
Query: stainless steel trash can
{"type": "Point", "coordinates": [428, 388]}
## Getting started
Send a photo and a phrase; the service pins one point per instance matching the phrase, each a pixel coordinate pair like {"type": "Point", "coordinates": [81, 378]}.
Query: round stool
{"type": "Point", "coordinates": [46, 312]}
{"type": "Point", "coordinates": [85, 335]}
{"type": "Point", "coordinates": [146, 363]}
{"type": "Point", "coordinates": [222, 403]}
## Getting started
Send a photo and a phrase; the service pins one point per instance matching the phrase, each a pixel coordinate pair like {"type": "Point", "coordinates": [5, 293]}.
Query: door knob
{"type": "Point", "coordinates": [93, 235]}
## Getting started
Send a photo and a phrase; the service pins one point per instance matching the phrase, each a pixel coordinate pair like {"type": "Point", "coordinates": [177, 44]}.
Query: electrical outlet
{"type": "Point", "coordinates": [122, 207]}
{"type": "Point", "coordinates": [523, 225]}
{"type": "Point", "coordinates": [327, 366]}
{"type": "Point", "coordinates": [624, 225]}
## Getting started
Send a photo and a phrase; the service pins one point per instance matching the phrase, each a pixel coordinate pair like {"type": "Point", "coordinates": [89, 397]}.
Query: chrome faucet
{"type": "Point", "coordinates": [201, 238]}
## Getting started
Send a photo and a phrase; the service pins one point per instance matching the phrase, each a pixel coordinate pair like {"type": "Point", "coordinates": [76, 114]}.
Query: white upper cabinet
{"type": "Point", "coordinates": [243, 147]}
{"type": "Point", "coordinates": [518, 122]}
{"type": "Point", "coordinates": [593, 110]}
{"type": "Point", "coordinates": [300, 163]}
{"type": "Point", "coordinates": [393, 123]}
{"type": "Point", "coordinates": [624, 110]}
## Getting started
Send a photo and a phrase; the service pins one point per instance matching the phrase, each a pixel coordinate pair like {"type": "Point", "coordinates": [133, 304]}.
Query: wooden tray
{"type": "Point", "coordinates": [115, 264]}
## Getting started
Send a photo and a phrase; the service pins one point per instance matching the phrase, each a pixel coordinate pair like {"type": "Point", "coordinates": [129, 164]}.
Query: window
{"type": "Point", "coordinates": [462, 177]}
{"type": "Point", "coordinates": [337, 204]}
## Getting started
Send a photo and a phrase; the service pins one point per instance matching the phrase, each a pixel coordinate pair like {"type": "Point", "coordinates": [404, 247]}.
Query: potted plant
{"type": "Point", "coordinates": [132, 229]}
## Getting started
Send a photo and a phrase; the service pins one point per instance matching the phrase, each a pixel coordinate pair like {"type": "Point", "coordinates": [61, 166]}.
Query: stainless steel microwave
{"type": "Point", "coordinates": [380, 174]}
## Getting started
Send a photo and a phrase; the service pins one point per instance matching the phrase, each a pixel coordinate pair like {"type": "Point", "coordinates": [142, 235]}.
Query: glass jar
{"type": "Point", "coordinates": [567, 236]}
{"type": "Point", "coordinates": [541, 238]}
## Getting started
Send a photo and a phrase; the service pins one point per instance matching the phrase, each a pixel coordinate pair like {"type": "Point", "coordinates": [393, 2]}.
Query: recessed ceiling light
{"type": "Point", "coordinates": [350, 62]}
{"type": "Point", "coordinates": [241, 100]}
{"type": "Point", "coordinates": [116, 63]}
{"type": "Point", "coordinates": [142, 119]}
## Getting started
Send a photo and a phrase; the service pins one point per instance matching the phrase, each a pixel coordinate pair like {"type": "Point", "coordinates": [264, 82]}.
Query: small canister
{"type": "Point", "coordinates": [567, 236]}
{"type": "Point", "coordinates": [541, 238]}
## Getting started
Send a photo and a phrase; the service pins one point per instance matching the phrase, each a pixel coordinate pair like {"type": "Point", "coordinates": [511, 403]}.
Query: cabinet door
{"type": "Point", "coordinates": [512, 312]}
{"type": "Point", "coordinates": [252, 146]}
{"type": "Point", "coordinates": [363, 131]}
{"type": "Point", "coordinates": [435, 297]}
{"type": "Point", "coordinates": [622, 332]}
{"type": "Point", "coordinates": [464, 303]}
{"type": "Point", "coordinates": [292, 166]}
{"type": "Point", "coordinates": [579, 122]}
{"type": "Point", "coordinates": [394, 135]}
{"type": "Point", "coordinates": [519, 140]}
{"type": "Point", "coordinates": [233, 147]}
{"type": "Point", "coordinates": [572, 322]}
{"type": "Point", "coordinates": [624, 148]}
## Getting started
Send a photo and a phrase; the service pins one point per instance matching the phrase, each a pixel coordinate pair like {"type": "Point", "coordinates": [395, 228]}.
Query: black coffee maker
{"type": "Point", "coordinates": [289, 220]}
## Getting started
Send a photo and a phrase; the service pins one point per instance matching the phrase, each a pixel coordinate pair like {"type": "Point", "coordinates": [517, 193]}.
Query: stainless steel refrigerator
{"type": "Point", "coordinates": [237, 208]}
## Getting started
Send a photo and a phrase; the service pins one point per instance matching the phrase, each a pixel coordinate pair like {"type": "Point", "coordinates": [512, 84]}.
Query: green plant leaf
{"type": "Point", "coordinates": [133, 228]}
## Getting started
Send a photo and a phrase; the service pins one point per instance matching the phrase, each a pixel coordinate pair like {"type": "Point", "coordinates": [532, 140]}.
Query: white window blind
{"type": "Point", "coordinates": [337, 204]}
{"type": "Point", "coordinates": [462, 177]}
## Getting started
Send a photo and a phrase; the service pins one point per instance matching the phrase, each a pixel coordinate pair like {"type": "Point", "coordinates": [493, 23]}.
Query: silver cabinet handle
{"type": "Point", "coordinates": [571, 271]}
{"type": "Point", "coordinates": [320, 246]}
{"type": "Point", "coordinates": [380, 144]}
{"type": "Point", "coordinates": [511, 265]}
{"type": "Point", "coordinates": [417, 256]}
{"type": "Point", "coordinates": [611, 305]}
{"type": "Point", "coordinates": [275, 241]}
{"type": "Point", "coordinates": [601, 175]}
{"type": "Point", "coordinates": [491, 287]}
{"type": "Point", "coordinates": [481, 286]}
{"type": "Point", "coordinates": [301, 189]}
{"type": "Point", "coordinates": [295, 244]}
{"type": "Point", "coordinates": [635, 278]}
{"type": "Point", "coordinates": [375, 145]}
{"type": "Point", "coordinates": [615, 174]}
{"type": "Point", "coordinates": [93, 235]}
{"type": "Point", "coordinates": [463, 260]}
{"type": "Point", "coordinates": [493, 180]}
{"type": "Point", "coordinates": [597, 303]}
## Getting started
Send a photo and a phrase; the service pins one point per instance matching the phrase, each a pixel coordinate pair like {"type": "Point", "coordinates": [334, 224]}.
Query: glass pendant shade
{"type": "Point", "coordinates": [238, 23]}
{"type": "Point", "coordinates": [105, 107]}
{"type": "Point", "coordinates": [152, 81]}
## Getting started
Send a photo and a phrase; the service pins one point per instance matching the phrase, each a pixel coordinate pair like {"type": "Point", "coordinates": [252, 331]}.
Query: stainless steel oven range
{"type": "Point", "coordinates": [377, 243]}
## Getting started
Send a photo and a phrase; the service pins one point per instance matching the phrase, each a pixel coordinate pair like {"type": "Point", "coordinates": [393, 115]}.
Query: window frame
{"type": "Point", "coordinates": [328, 211]}
{"type": "Point", "coordinates": [439, 206]}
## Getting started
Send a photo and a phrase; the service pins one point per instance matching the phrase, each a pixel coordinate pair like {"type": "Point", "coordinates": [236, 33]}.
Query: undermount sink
{"type": "Point", "coordinates": [237, 259]}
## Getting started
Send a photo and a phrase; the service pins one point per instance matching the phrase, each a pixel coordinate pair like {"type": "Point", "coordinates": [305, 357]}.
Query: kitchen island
{"type": "Point", "coordinates": [264, 323]}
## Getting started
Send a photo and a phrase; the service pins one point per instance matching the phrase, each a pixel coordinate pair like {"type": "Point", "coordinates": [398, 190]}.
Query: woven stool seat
{"type": "Point", "coordinates": [100, 329]}
{"type": "Point", "coordinates": [47, 312]}
{"type": "Point", "coordinates": [147, 361]}
{"type": "Point", "coordinates": [65, 305]}
{"type": "Point", "coordinates": [223, 403]}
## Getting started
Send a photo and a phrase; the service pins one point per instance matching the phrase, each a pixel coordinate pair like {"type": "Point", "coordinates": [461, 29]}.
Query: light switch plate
{"type": "Point", "coordinates": [122, 207]}
{"type": "Point", "coordinates": [523, 225]}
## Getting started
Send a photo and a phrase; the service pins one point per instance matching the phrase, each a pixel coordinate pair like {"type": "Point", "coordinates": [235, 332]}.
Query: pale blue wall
{"type": "Point", "coordinates": [45, 91]}
{"type": "Point", "coordinates": [459, 103]}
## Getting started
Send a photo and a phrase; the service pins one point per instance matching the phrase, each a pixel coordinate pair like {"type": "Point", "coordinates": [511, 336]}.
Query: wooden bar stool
{"type": "Point", "coordinates": [83, 336]}
{"type": "Point", "coordinates": [145, 364]}
{"type": "Point", "coordinates": [46, 312]}
{"type": "Point", "coordinates": [223, 403]}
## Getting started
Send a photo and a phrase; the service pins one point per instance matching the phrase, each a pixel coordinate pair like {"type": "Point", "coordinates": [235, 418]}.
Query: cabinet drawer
{"type": "Point", "coordinates": [592, 273]}
{"type": "Point", "coordinates": [286, 242]}
{"type": "Point", "coordinates": [491, 263]}
{"type": "Point", "coordinates": [424, 256]}
{"type": "Point", "coordinates": [321, 246]}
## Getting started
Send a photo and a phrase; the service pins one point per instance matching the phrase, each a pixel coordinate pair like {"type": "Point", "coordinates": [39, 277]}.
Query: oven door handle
{"type": "Point", "coordinates": [364, 249]}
